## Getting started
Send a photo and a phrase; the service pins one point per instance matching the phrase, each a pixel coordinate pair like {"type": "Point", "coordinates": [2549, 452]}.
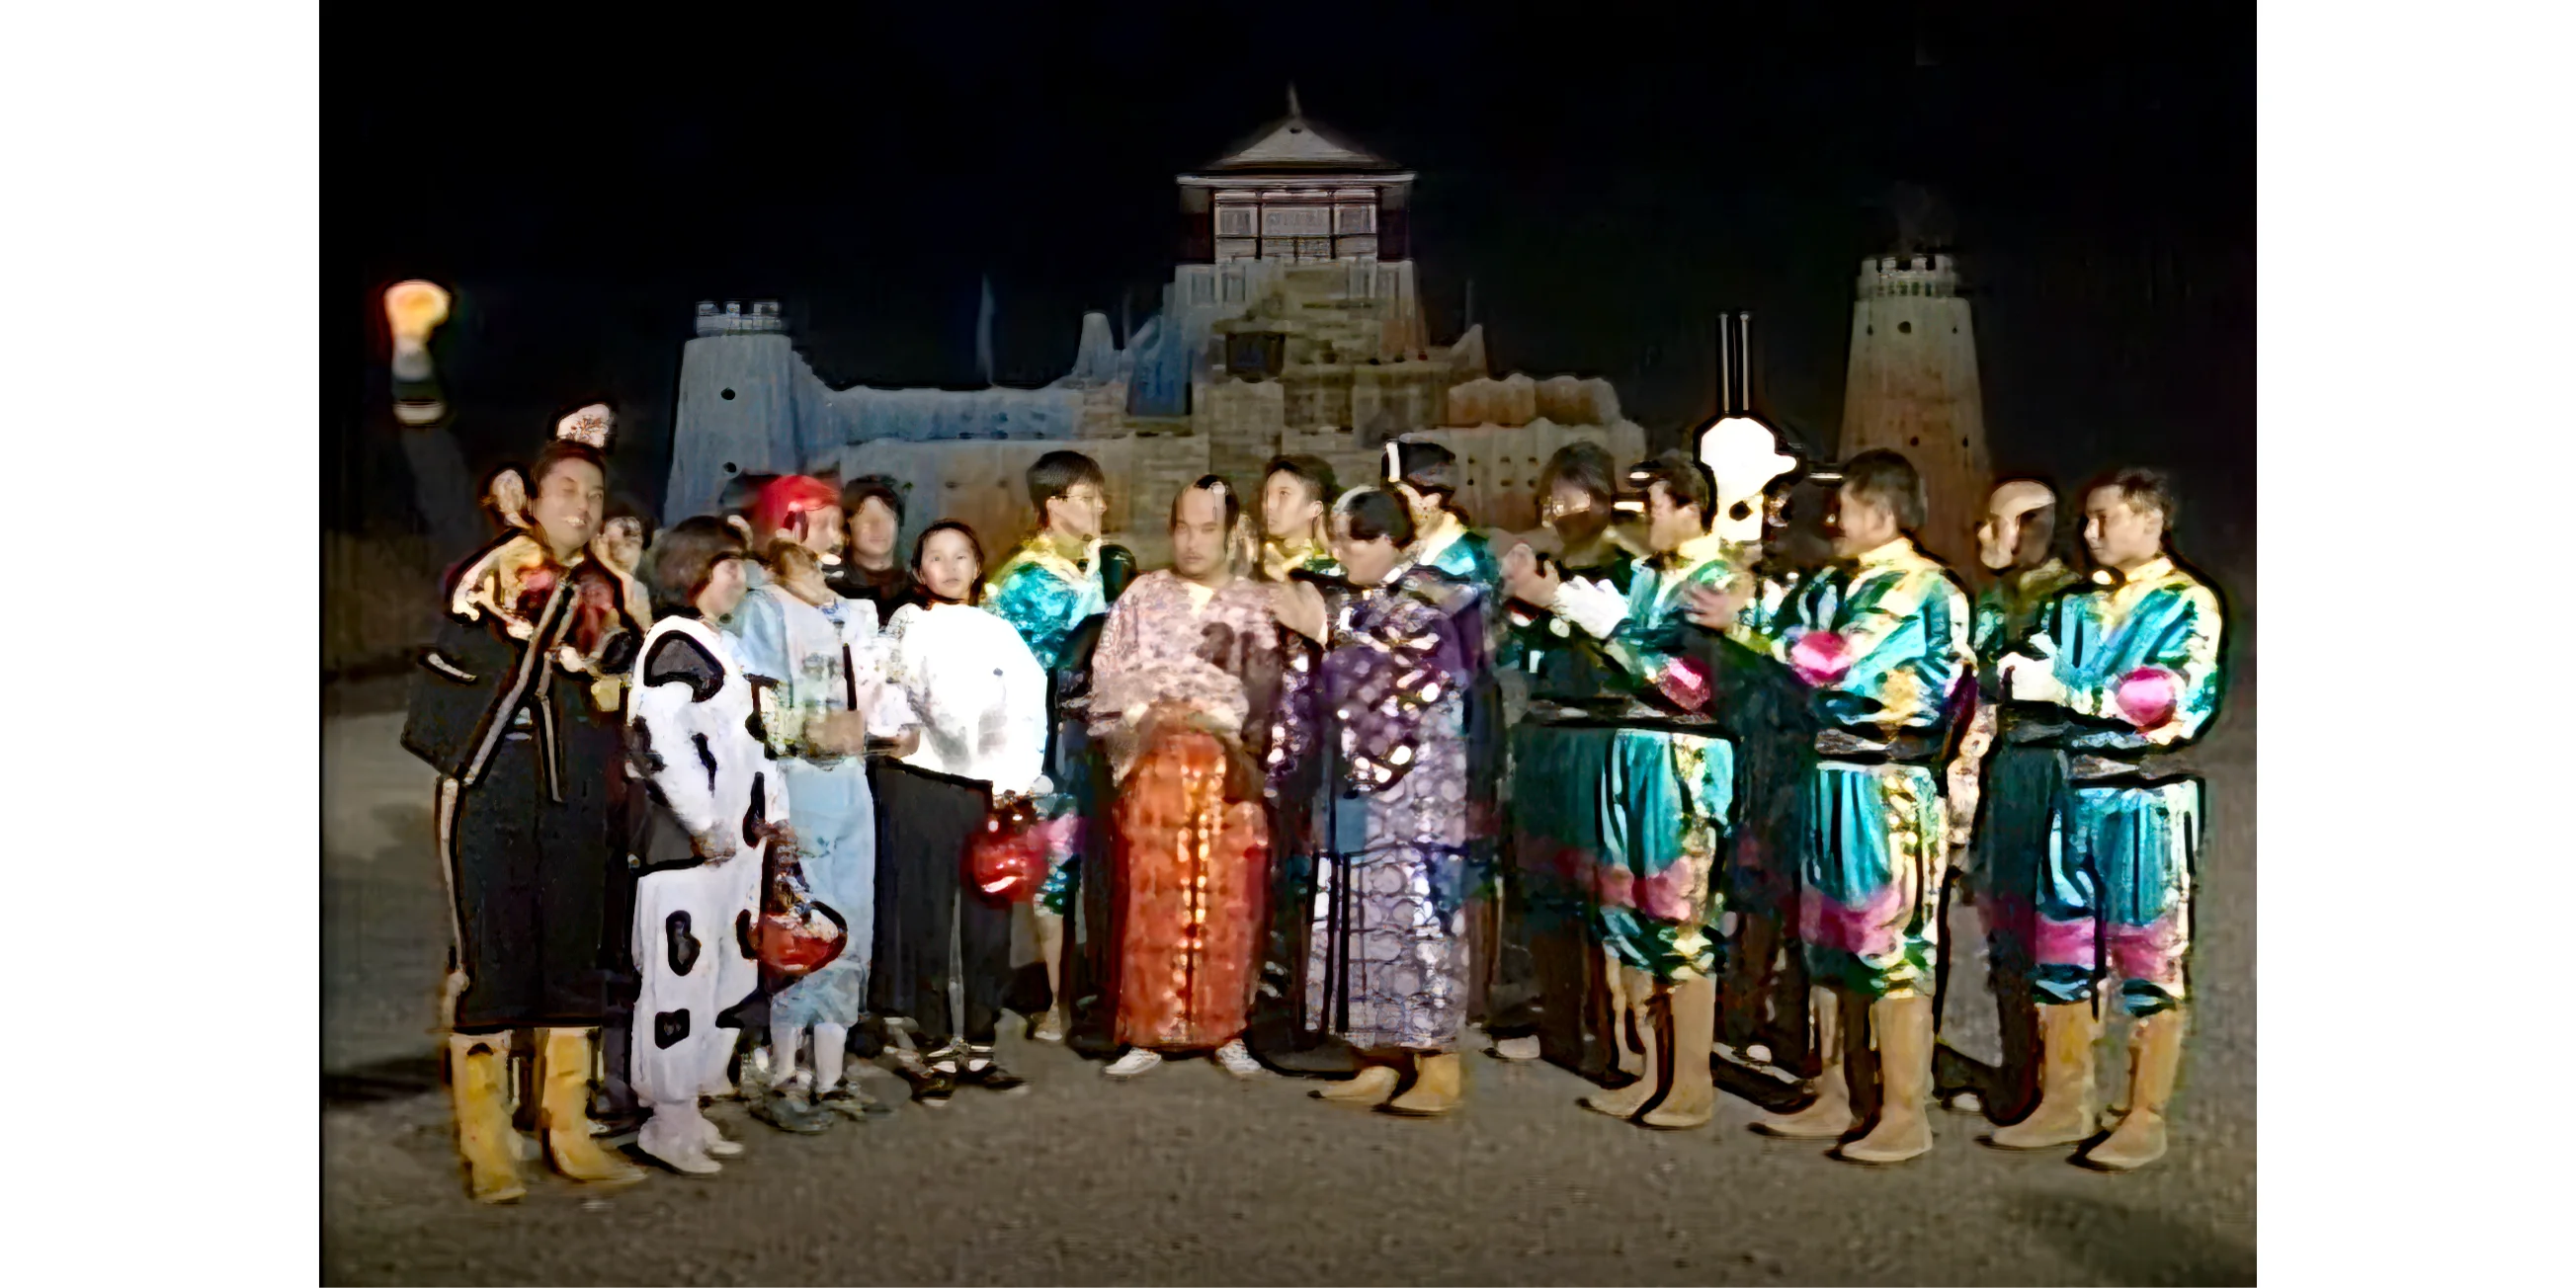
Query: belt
{"type": "Point", "coordinates": [1860, 749]}
{"type": "Point", "coordinates": [2091, 769]}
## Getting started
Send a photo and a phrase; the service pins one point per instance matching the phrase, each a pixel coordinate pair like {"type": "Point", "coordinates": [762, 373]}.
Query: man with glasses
{"type": "Point", "coordinates": [1047, 589]}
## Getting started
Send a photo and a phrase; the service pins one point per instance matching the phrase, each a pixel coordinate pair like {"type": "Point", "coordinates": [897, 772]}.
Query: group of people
{"type": "Point", "coordinates": [1345, 781]}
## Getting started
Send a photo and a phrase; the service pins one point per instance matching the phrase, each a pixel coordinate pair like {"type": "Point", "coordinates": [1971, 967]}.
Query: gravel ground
{"type": "Point", "coordinates": [1187, 1176]}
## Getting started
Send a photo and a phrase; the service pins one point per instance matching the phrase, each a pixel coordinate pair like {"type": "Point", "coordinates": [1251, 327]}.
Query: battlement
{"type": "Point", "coordinates": [1908, 275]}
{"type": "Point", "coordinates": [763, 318]}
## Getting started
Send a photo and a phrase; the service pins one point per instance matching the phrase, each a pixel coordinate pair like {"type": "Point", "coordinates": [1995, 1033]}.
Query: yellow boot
{"type": "Point", "coordinates": [1830, 1117]}
{"type": "Point", "coordinates": [1691, 1098]}
{"type": "Point", "coordinates": [1904, 1130]}
{"type": "Point", "coordinates": [564, 1109]}
{"type": "Point", "coordinates": [2064, 1115]}
{"type": "Point", "coordinates": [2155, 1059]}
{"type": "Point", "coordinates": [1371, 1087]}
{"type": "Point", "coordinates": [1439, 1083]}
{"type": "Point", "coordinates": [483, 1133]}
{"type": "Point", "coordinates": [1639, 1004]}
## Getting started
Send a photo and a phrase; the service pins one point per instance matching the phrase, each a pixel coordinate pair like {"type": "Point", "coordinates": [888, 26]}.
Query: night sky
{"type": "Point", "coordinates": [1608, 181]}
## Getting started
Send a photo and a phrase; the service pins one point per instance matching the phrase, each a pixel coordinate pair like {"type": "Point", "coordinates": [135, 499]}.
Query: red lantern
{"type": "Point", "coordinates": [796, 934]}
{"type": "Point", "coordinates": [1820, 657]}
{"type": "Point", "coordinates": [2149, 696]}
{"type": "Point", "coordinates": [1007, 860]}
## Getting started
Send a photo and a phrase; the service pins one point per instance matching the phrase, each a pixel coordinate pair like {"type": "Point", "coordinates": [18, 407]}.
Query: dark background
{"type": "Point", "coordinates": [1609, 180]}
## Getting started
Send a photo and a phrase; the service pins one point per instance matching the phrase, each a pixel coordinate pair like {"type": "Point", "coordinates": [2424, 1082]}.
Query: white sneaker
{"type": "Point", "coordinates": [677, 1146]}
{"type": "Point", "coordinates": [1517, 1049]}
{"type": "Point", "coordinates": [1137, 1062]}
{"type": "Point", "coordinates": [1235, 1059]}
{"type": "Point", "coordinates": [712, 1139]}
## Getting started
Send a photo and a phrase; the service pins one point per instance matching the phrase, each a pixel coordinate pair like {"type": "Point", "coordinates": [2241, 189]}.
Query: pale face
{"type": "Point", "coordinates": [873, 528]}
{"type": "Point", "coordinates": [1288, 512]}
{"type": "Point", "coordinates": [1668, 524]}
{"type": "Point", "coordinates": [1426, 508]}
{"type": "Point", "coordinates": [567, 505]}
{"type": "Point", "coordinates": [948, 565]}
{"type": "Point", "coordinates": [1078, 512]}
{"type": "Point", "coordinates": [2121, 533]}
{"type": "Point", "coordinates": [725, 587]}
{"type": "Point", "coordinates": [1861, 522]}
{"type": "Point", "coordinates": [819, 530]}
{"type": "Point", "coordinates": [1198, 536]}
{"type": "Point", "coordinates": [1367, 562]}
{"type": "Point", "coordinates": [621, 543]}
{"type": "Point", "coordinates": [1569, 511]}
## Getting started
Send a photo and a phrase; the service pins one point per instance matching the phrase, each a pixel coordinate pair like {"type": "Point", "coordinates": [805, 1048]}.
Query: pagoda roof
{"type": "Point", "coordinates": [1295, 145]}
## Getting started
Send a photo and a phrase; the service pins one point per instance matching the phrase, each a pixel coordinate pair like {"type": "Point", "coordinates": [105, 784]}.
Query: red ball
{"type": "Point", "coordinates": [1820, 657]}
{"type": "Point", "coordinates": [2149, 696]}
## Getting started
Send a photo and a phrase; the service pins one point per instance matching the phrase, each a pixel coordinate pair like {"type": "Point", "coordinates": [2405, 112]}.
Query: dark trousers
{"type": "Point", "coordinates": [531, 882]}
{"type": "Point", "coordinates": [924, 822]}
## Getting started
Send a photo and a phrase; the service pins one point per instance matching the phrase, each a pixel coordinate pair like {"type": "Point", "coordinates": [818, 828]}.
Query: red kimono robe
{"type": "Point", "coordinates": [1182, 680]}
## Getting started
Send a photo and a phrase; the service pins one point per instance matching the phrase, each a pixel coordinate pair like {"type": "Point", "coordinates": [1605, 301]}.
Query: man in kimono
{"type": "Point", "coordinates": [1387, 958]}
{"type": "Point", "coordinates": [1047, 589]}
{"type": "Point", "coordinates": [1183, 686]}
{"type": "Point", "coordinates": [1550, 994]}
{"type": "Point", "coordinates": [2132, 661]}
{"type": "Point", "coordinates": [1425, 474]}
{"type": "Point", "coordinates": [516, 707]}
{"type": "Point", "coordinates": [1667, 783]}
{"type": "Point", "coordinates": [2013, 747]}
{"type": "Point", "coordinates": [1881, 643]}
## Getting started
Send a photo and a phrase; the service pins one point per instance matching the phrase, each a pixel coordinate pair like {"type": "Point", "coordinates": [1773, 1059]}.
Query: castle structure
{"type": "Point", "coordinates": [1912, 388]}
{"type": "Point", "coordinates": [1292, 323]}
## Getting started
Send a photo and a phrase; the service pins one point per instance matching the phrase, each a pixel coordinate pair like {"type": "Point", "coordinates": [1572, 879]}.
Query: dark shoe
{"type": "Point", "coordinates": [934, 1085]}
{"type": "Point", "coordinates": [855, 1103]}
{"type": "Point", "coordinates": [986, 1072]}
{"type": "Point", "coordinates": [788, 1110]}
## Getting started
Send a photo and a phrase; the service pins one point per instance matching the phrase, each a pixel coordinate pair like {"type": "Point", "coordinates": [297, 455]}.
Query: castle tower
{"type": "Point", "coordinates": [1913, 389]}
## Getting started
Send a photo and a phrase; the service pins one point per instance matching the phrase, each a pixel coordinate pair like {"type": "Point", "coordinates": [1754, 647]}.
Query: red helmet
{"type": "Point", "coordinates": [782, 499]}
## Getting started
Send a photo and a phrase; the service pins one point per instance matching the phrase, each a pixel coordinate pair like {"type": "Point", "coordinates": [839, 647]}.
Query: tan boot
{"type": "Point", "coordinates": [1627, 1100]}
{"type": "Point", "coordinates": [1439, 1083]}
{"type": "Point", "coordinates": [1629, 1031]}
{"type": "Point", "coordinates": [564, 1079]}
{"type": "Point", "coordinates": [1691, 1099]}
{"type": "Point", "coordinates": [2064, 1115]}
{"type": "Point", "coordinates": [2155, 1060]}
{"type": "Point", "coordinates": [1830, 1117]}
{"type": "Point", "coordinates": [1373, 1085]}
{"type": "Point", "coordinates": [1904, 1130]}
{"type": "Point", "coordinates": [484, 1136]}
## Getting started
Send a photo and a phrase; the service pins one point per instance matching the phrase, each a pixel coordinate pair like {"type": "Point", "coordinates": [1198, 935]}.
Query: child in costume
{"type": "Point", "coordinates": [714, 805]}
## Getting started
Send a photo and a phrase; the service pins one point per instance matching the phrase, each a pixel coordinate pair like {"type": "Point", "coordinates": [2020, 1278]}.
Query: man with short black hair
{"type": "Point", "coordinates": [1047, 589]}
{"type": "Point", "coordinates": [1881, 642]}
{"type": "Point", "coordinates": [872, 513]}
{"type": "Point", "coordinates": [516, 709]}
{"type": "Point", "coordinates": [1297, 493]}
{"type": "Point", "coordinates": [1667, 783]}
{"type": "Point", "coordinates": [2132, 661]}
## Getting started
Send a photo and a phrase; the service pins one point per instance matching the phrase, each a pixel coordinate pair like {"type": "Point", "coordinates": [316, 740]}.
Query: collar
{"type": "Point", "coordinates": [2146, 574]}
{"type": "Point", "coordinates": [1041, 551]}
{"type": "Point", "coordinates": [1895, 551]}
{"type": "Point", "coordinates": [1431, 547]}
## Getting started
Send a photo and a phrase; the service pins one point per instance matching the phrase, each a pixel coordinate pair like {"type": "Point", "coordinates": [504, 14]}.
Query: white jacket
{"type": "Point", "coordinates": [968, 681]}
